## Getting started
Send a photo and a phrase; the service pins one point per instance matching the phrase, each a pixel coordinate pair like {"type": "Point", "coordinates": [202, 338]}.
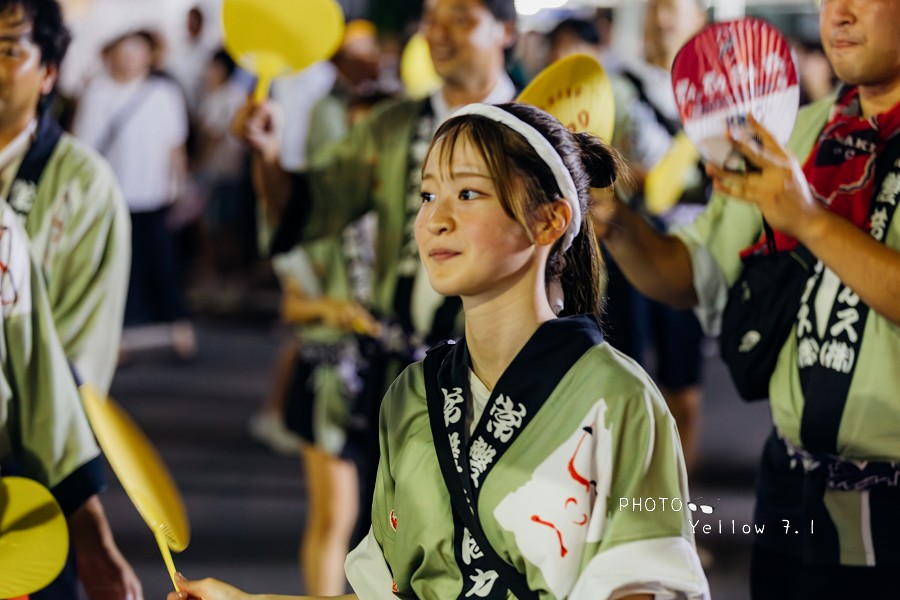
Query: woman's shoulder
{"type": "Point", "coordinates": [406, 393]}
{"type": "Point", "coordinates": [404, 411]}
{"type": "Point", "coordinates": [411, 378]}
{"type": "Point", "coordinates": [604, 362]}
{"type": "Point", "coordinates": [613, 376]}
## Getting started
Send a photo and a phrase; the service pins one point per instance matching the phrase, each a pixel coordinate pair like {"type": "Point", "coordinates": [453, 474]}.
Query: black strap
{"type": "Point", "coordinates": [509, 575]}
{"type": "Point", "coordinates": [800, 252]}
{"type": "Point", "coordinates": [672, 126]}
{"type": "Point", "coordinates": [35, 160]}
{"type": "Point", "coordinates": [770, 238]}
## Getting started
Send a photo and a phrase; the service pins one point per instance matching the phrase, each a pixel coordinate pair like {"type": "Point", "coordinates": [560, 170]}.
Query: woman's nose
{"type": "Point", "coordinates": [440, 218]}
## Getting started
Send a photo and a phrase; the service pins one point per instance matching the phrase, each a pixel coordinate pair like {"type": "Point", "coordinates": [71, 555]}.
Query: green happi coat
{"type": "Point", "coordinates": [80, 235]}
{"type": "Point", "coordinates": [321, 269]}
{"type": "Point", "coordinates": [367, 171]}
{"type": "Point", "coordinates": [605, 422]}
{"type": "Point", "coordinates": [870, 423]}
{"type": "Point", "coordinates": [44, 434]}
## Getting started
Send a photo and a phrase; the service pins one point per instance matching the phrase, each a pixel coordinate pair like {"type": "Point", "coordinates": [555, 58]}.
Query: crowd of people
{"type": "Point", "coordinates": [493, 464]}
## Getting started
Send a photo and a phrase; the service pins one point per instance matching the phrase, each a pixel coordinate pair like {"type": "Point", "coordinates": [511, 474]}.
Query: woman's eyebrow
{"type": "Point", "coordinates": [457, 175]}
{"type": "Point", "coordinates": [470, 174]}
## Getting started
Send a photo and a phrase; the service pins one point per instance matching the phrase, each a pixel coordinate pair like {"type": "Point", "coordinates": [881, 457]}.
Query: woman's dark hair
{"type": "Point", "coordinates": [519, 173]}
{"type": "Point", "coordinates": [48, 30]}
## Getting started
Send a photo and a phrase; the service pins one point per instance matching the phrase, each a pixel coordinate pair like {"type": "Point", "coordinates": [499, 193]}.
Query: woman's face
{"type": "Point", "coordinates": [469, 245]}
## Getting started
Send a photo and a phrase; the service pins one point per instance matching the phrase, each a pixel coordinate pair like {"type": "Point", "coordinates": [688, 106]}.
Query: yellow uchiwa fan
{"type": "Point", "coordinates": [667, 180]}
{"type": "Point", "coordinates": [575, 90]}
{"type": "Point", "coordinates": [417, 70]}
{"type": "Point", "coordinates": [34, 537]}
{"type": "Point", "coordinates": [142, 473]}
{"type": "Point", "coordinates": [271, 38]}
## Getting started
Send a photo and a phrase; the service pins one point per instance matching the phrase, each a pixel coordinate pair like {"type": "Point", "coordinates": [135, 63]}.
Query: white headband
{"type": "Point", "coordinates": [546, 151]}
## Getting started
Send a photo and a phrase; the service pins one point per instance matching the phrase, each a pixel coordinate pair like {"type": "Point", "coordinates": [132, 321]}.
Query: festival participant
{"type": "Point", "coordinates": [66, 195]}
{"type": "Point", "coordinates": [137, 119]}
{"type": "Point", "coordinates": [829, 469]}
{"type": "Point", "coordinates": [531, 419]}
{"type": "Point", "coordinates": [75, 223]}
{"type": "Point", "coordinates": [44, 433]}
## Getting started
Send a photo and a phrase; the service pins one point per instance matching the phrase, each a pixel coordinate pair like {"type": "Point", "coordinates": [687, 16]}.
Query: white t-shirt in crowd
{"type": "Point", "coordinates": [141, 151]}
{"type": "Point", "coordinates": [187, 60]}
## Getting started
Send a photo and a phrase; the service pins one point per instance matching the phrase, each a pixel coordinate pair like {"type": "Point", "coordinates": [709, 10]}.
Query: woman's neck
{"type": "Point", "coordinates": [497, 329]}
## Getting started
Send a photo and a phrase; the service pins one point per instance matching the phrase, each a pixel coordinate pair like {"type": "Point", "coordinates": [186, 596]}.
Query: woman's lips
{"type": "Point", "coordinates": [442, 254]}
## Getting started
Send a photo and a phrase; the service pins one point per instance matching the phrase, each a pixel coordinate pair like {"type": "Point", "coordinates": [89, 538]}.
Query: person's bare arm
{"type": "Point", "coordinates": [103, 571]}
{"type": "Point", "coordinates": [259, 127]}
{"type": "Point", "coordinates": [178, 170]}
{"type": "Point", "coordinates": [297, 308]}
{"type": "Point", "coordinates": [657, 264]}
{"type": "Point", "coordinates": [213, 589]}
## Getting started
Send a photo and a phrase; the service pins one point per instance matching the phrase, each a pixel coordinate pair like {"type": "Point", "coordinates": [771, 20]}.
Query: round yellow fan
{"type": "Point", "coordinates": [667, 180]}
{"type": "Point", "coordinates": [276, 37]}
{"type": "Point", "coordinates": [34, 537]}
{"type": "Point", "coordinates": [575, 90]}
{"type": "Point", "coordinates": [416, 69]}
{"type": "Point", "coordinates": [142, 473]}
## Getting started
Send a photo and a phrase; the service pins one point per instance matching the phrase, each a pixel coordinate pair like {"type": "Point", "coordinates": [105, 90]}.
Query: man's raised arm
{"type": "Point", "coordinates": [259, 126]}
{"type": "Point", "coordinates": [657, 264]}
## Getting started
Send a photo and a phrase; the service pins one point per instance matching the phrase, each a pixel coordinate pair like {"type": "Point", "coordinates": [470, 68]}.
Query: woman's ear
{"type": "Point", "coordinates": [552, 223]}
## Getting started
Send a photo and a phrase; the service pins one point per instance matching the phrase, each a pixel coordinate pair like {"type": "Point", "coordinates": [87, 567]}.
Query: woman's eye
{"type": "Point", "coordinates": [10, 51]}
{"type": "Point", "coordinates": [426, 197]}
{"type": "Point", "coordinates": [468, 195]}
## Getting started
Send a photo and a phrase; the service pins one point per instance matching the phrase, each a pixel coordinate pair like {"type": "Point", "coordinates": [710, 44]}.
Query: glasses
{"type": "Point", "coordinates": [706, 509]}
